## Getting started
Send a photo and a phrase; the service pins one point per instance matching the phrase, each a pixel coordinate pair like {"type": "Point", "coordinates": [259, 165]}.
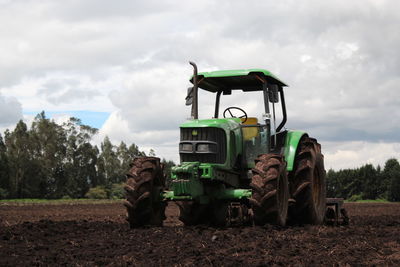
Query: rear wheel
{"type": "Point", "coordinates": [270, 190]}
{"type": "Point", "coordinates": [145, 182]}
{"type": "Point", "coordinates": [308, 184]}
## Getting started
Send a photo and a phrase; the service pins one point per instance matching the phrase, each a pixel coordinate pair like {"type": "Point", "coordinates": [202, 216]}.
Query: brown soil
{"type": "Point", "coordinates": [97, 234]}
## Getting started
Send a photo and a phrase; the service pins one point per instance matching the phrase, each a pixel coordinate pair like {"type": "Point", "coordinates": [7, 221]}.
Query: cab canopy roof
{"type": "Point", "coordinates": [225, 80]}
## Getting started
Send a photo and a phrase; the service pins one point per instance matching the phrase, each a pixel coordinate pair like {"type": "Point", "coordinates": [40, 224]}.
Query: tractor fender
{"type": "Point", "coordinates": [292, 141]}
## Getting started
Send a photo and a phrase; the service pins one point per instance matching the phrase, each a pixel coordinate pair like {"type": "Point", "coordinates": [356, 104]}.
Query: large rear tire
{"type": "Point", "coordinates": [270, 190]}
{"type": "Point", "coordinates": [307, 184]}
{"type": "Point", "coordinates": [144, 185]}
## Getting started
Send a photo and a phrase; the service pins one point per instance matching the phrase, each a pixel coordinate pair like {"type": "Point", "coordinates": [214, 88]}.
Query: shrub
{"type": "Point", "coordinates": [355, 198]}
{"type": "Point", "coordinates": [117, 191]}
{"type": "Point", "coordinates": [97, 192]}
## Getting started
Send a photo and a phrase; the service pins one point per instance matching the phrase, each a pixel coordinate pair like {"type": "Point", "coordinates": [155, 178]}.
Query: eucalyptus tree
{"type": "Point", "coordinates": [391, 172]}
{"type": "Point", "coordinates": [4, 177]}
{"type": "Point", "coordinates": [81, 158]}
{"type": "Point", "coordinates": [22, 169]}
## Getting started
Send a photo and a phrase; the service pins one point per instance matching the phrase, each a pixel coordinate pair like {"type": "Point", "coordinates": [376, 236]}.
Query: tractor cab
{"type": "Point", "coordinates": [254, 130]}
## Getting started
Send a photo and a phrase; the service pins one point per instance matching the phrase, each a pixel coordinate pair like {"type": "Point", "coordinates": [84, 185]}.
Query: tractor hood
{"type": "Point", "coordinates": [224, 123]}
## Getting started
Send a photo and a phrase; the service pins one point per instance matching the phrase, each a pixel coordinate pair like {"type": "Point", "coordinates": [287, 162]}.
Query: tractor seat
{"type": "Point", "coordinates": [250, 132]}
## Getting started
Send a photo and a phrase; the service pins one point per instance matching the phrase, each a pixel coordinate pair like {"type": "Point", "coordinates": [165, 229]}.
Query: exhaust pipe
{"type": "Point", "coordinates": [195, 109]}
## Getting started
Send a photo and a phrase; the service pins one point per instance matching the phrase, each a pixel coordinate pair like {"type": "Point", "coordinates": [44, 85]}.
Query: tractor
{"type": "Point", "coordinates": [235, 168]}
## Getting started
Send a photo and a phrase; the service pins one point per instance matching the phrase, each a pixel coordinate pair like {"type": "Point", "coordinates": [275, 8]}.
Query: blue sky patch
{"type": "Point", "coordinates": [94, 119]}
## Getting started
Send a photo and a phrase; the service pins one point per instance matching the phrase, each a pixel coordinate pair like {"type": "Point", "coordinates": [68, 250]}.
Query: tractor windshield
{"type": "Point", "coordinates": [247, 108]}
{"type": "Point", "coordinates": [254, 142]}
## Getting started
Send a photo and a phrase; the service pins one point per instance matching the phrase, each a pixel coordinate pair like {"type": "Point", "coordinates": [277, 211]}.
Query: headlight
{"type": "Point", "coordinates": [206, 148]}
{"type": "Point", "coordinates": [186, 147]}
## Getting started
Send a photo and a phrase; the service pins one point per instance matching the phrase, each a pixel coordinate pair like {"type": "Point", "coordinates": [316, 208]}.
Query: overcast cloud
{"type": "Point", "coordinates": [340, 59]}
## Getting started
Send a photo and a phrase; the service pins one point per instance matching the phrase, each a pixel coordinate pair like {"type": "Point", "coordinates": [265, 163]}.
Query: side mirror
{"type": "Point", "coordinates": [189, 97]}
{"type": "Point", "coordinates": [273, 93]}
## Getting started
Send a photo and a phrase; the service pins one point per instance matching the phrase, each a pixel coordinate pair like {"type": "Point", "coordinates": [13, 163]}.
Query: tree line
{"type": "Point", "coordinates": [48, 160]}
{"type": "Point", "coordinates": [366, 182]}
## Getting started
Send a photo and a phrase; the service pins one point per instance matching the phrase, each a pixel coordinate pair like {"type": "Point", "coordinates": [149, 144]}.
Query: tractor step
{"type": "Point", "coordinates": [335, 213]}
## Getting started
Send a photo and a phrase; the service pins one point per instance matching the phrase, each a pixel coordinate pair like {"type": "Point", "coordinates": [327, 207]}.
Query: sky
{"type": "Point", "coordinates": [122, 66]}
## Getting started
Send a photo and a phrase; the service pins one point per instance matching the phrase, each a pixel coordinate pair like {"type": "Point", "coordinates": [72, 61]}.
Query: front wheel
{"type": "Point", "coordinates": [270, 190]}
{"type": "Point", "coordinates": [193, 213]}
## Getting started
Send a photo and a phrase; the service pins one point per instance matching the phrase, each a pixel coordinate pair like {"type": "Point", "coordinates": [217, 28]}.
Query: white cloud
{"type": "Point", "coordinates": [342, 155]}
{"type": "Point", "coordinates": [340, 59]}
{"type": "Point", "coordinates": [118, 128]}
{"type": "Point", "coordinates": [10, 110]}
{"type": "Point", "coordinates": [153, 98]}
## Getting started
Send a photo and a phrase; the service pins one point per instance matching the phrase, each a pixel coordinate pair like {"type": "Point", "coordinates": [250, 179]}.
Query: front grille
{"type": "Point", "coordinates": [205, 134]}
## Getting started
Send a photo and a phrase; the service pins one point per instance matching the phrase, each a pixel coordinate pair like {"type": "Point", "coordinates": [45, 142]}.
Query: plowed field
{"type": "Point", "coordinates": [97, 234]}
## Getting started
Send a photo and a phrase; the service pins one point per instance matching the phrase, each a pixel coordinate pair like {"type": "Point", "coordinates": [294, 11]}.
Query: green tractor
{"type": "Point", "coordinates": [234, 169]}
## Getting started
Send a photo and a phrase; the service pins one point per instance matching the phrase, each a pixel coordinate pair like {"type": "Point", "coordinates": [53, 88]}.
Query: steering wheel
{"type": "Point", "coordinates": [232, 116]}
